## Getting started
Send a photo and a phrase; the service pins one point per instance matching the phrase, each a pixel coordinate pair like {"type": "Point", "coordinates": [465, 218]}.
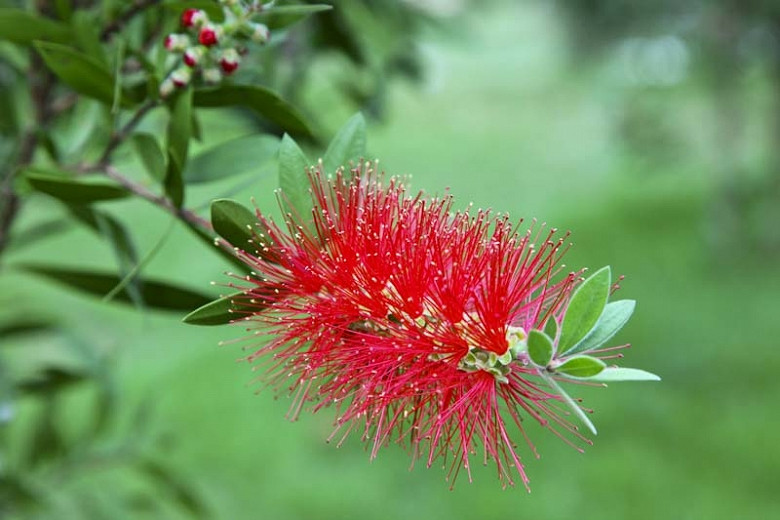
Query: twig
{"type": "Point", "coordinates": [119, 136]}
{"type": "Point", "coordinates": [123, 19]}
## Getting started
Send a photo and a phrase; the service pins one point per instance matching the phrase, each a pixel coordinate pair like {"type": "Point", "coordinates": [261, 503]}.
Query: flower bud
{"type": "Point", "coordinates": [208, 35]}
{"type": "Point", "coordinates": [193, 55]}
{"type": "Point", "coordinates": [260, 33]}
{"type": "Point", "coordinates": [176, 42]}
{"type": "Point", "coordinates": [193, 18]}
{"type": "Point", "coordinates": [181, 76]}
{"type": "Point", "coordinates": [229, 61]}
{"type": "Point", "coordinates": [167, 87]}
{"type": "Point", "coordinates": [212, 75]}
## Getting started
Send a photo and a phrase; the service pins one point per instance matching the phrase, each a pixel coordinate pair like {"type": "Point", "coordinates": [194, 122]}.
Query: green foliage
{"type": "Point", "coordinates": [24, 28]}
{"type": "Point", "coordinates": [156, 294]}
{"type": "Point", "coordinates": [585, 307]}
{"type": "Point", "coordinates": [234, 157]}
{"type": "Point", "coordinates": [234, 223]}
{"type": "Point", "coordinates": [293, 178]}
{"type": "Point", "coordinates": [266, 103]}
{"type": "Point", "coordinates": [349, 144]}
{"type": "Point", "coordinates": [218, 312]}
{"type": "Point", "coordinates": [73, 191]}
{"type": "Point", "coordinates": [581, 366]}
{"type": "Point", "coordinates": [540, 348]}
{"type": "Point", "coordinates": [179, 135]}
{"type": "Point", "coordinates": [148, 149]}
{"type": "Point", "coordinates": [612, 319]}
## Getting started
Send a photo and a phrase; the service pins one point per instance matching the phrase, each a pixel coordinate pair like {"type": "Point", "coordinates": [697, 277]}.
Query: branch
{"type": "Point", "coordinates": [119, 136]}
{"type": "Point", "coordinates": [118, 24]}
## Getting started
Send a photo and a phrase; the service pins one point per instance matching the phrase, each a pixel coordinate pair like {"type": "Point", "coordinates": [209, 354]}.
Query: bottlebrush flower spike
{"type": "Point", "coordinates": [412, 321]}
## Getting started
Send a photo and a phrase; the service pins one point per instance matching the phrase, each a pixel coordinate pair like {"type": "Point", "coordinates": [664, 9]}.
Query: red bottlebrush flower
{"type": "Point", "coordinates": [208, 36]}
{"type": "Point", "coordinates": [405, 316]}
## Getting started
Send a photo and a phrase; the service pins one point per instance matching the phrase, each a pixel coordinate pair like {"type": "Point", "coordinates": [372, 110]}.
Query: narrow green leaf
{"type": "Point", "coordinates": [82, 73]}
{"type": "Point", "coordinates": [23, 327]}
{"type": "Point", "coordinates": [179, 135]}
{"type": "Point", "coordinates": [615, 315]}
{"type": "Point", "coordinates": [221, 311]}
{"type": "Point", "coordinates": [581, 366]}
{"type": "Point", "coordinates": [234, 223]}
{"type": "Point", "coordinates": [86, 32]}
{"type": "Point", "coordinates": [540, 348]}
{"type": "Point", "coordinates": [156, 294]}
{"type": "Point", "coordinates": [610, 374]}
{"type": "Point", "coordinates": [264, 102]}
{"type": "Point", "coordinates": [573, 406]}
{"type": "Point", "coordinates": [551, 328]}
{"type": "Point", "coordinates": [293, 179]}
{"type": "Point", "coordinates": [19, 26]}
{"type": "Point", "coordinates": [151, 155]}
{"type": "Point", "coordinates": [348, 145]}
{"type": "Point", "coordinates": [286, 15]}
{"type": "Point", "coordinates": [584, 309]}
{"type": "Point", "coordinates": [73, 191]}
{"type": "Point", "coordinates": [234, 157]}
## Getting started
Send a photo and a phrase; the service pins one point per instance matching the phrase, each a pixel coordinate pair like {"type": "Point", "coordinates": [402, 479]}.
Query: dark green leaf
{"type": "Point", "coordinates": [585, 307]}
{"type": "Point", "coordinates": [73, 191]}
{"type": "Point", "coordinates": [80, 72]}
{"type": "Point", "coordinates": [265, 102]}
{"type": "Point", "coordinates": [156, 294]}
{"type": "Point", "coordinates": [222, 311]}
{"type": "Point", "coordinates": [23, 327]}
{"type": "Point", "coordinates": [234, 157]}
{"type": "Point", "coordinates": [234, 223]}
{"type": "Point", "coordinates": [581, 366]}
{"type": "Point", "coordinates": [293, 178]}
{"type": "Point", "coordinates": [208, 239]}
{"type": "Point", "coordinates": [86, 32]}
{"type": "Point", "coordinates": [615, 315]}
{"type": "Point", "coordinates": [624, 374]}
{"type": "Point", "coordinates": [179, 135]}
{"type": "Point", "coordinates": [22, 27]}
{"type": "Point", "coordinates": [540, 348]}
{"type": "Point", "coordinates": [286, 15]}
{"type": "Point", "coordinates": [348, 145]}
{"type": "Point", "coordinates": [51, 380]}
{"type": "Point", "coordinates": [148, 149]}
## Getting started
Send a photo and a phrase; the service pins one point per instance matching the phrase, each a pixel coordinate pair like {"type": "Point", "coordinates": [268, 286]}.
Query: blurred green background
{"type": "Point", "coordinates": [629, 128]}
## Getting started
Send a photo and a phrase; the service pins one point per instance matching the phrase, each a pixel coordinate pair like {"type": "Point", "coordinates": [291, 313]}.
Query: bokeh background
{"type": "Point", "coordinates": [651, 130]}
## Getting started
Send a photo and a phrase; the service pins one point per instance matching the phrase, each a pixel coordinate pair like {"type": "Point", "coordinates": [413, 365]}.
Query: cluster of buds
{"type": "Point", "coordinates": [213, 49]}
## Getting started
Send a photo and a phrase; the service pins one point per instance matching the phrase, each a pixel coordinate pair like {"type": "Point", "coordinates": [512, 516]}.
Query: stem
{"type": "Point", "coordinates": [118, 137]}
{"type": "Point", "coordinates": [114, 27]}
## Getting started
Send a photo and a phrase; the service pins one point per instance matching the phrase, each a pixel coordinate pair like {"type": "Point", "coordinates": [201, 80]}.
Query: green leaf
{"type": "Point", "coordinates": [19, 26]}
{"type": "Point", "coordinates": [234, 223]}
{"type": "Point", "coordinates": [293, 178]}
{"type": "Point", "coordinates": [264, 102]}
{"type": "Point", "coordinates": [581, 366]}
{"type": "Point", "coordinates": [624, 374]}
{"type": "Point", "coordinates": [86, 32]}
{"type": "Point", "coordinates": [286, 15]}
{"type": "Point", "coordinates": [551, 328]}
{"type": "Point", "coordinates": [156, 294]}
{"type": "Point", "coordinates": [615, 315]}
{"type": "Point", "coordinates": [220, 312]}
{"type": "Point", "coordinates": [234, 157]}
{"type": "Point", "coordinates": [82, 73]}
{"type": "Point", "coordinates": [573, 406]}
{"type": "Point", "coordinates": [179, 135]}
{"type": "Point", "coordinates": [73, 191]}
{"type": "Point", "coordinates": [540, 348]}
{"type": "Point", "coordinates": [348, 145]}
{"type": "Point", "coordinates": [151, 155]}
{"type": "Point", "coordinates": [166, 481]}
{"type": "Point", "coordinates": [585, 308]}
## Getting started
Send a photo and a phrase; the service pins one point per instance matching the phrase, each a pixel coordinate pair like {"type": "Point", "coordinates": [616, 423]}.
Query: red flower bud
{"type": "Point", "coordinates": [208, 36]}
{"type": "Point", "coordinates": [191, 17]}
{"type": "Point", "coordinates": [228, 67]}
